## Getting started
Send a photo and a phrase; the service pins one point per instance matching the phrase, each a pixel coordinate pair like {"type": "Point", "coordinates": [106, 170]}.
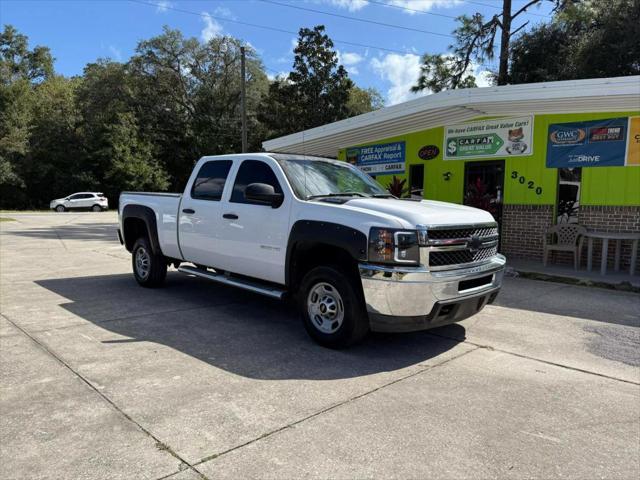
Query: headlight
{"type": "Point", "coordinates": [391, 246]}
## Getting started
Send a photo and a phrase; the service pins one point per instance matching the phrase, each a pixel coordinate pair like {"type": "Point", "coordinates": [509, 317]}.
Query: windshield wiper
{"type": "Point", "coordinates": [340, 194]}
{"type": "Point", "coordinates": [383, 195]}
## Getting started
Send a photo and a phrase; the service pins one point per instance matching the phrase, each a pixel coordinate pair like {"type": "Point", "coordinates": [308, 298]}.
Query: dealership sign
{"type": "Point", "coordinates": [597, 143]}
{"type": "Point", "coordinates": [380, 159]}
{"type": "Point", "coordinates": [503, 137]}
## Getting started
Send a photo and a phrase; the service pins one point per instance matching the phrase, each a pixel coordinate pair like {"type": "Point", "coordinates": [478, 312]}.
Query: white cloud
{"type": "Point", "coordinates": [401, 72]}
{"type": "Point", "coordinates": [412, 6]}
{"type": "Point", "coordinates": [116, 54]}
{"type": "Point", "coordinates": [211, 27]}
{"type": "Point", "coordinates": [415, 6]}
{"type": "Point", "coordinates": [350, 60]}
{"type": "Point", "coordinates": [224, 12]}
{"type": "Point", "coordinates": [275, 76]}
{"type": "Point", "coordinates": [163, 6]}
{"type": "Point", "coordinates": [483, 76]}
{"type": "Point", "coordinates": [351, 5]}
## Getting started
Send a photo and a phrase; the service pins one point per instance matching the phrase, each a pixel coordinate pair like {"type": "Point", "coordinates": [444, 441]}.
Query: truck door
{"type": "Point", "coordinates": [200, 216]}
{"type": "Point", "coordinates": [254, 236]}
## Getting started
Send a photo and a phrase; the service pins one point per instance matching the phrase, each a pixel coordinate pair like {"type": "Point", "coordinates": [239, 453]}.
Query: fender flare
{"type": "Point", "coordinates": [148, 216]}
{"type": "Point", "coordinates": [313, 232]}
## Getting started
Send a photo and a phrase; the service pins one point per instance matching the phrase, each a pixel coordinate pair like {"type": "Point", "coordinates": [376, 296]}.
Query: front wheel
{"type": "Point", "coordinates": [150, 269]}
{"type": "Point", "coordinates": [96, 208]}
{"type": "Point", "coordinates": [331, 308]}
{"type": "Point", "coordinates": [60, 209]}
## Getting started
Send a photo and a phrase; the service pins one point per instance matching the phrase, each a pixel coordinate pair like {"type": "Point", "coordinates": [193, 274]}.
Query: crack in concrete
{"type": "Point", "coordinates": [540, 360]}
{"type": "Point", "coordinates": [161, 445]}
{"type": "Point", "coordinates": [330, 408]}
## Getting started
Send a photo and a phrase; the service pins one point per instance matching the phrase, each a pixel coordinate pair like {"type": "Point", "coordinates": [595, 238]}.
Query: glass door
{"type": "Point", "coordinates": [484, 186]}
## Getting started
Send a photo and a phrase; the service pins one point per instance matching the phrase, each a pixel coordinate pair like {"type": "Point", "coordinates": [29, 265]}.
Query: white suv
{"type": "Point", "coordinates": [93, 201]}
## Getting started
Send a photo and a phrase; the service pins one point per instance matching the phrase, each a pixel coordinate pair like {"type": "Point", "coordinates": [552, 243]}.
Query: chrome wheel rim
{"type": "Point", "coordinates": [325, 308]}
{"type": "Point", "coordinates": [96, 208]}
{"type": "Point", "coordinates": [60, 208]}
{"type": "Point", "coordinates": [143, 262]}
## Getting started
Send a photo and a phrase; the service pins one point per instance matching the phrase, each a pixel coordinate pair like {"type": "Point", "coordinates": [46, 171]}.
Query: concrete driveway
{"type": "Point", "coordinates": [103, 379]}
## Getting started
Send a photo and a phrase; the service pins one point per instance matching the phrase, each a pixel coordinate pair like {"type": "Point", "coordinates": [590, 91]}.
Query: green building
{"type": "Point", "coordinates": [533, 155]}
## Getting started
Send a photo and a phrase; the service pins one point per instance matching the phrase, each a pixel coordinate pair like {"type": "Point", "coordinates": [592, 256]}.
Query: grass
{"type": "Point", "coordinates": [7, 219]}
{"type": "Point", "coordinates": [25, 211]}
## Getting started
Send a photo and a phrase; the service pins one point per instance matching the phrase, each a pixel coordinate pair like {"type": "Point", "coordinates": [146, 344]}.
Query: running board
{"type": "Point", "coordinates": [252, 286]}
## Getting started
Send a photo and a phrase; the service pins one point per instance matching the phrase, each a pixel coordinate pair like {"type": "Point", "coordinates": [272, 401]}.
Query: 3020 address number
{"type": "Point", "coordinates": [530, 184]}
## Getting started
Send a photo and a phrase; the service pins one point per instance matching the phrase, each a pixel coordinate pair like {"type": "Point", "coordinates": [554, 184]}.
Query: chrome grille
{"type": "Point", "coordinates": [451, 233]}
{"type": "Point", "coordinates": [458, 247]}
{"type": "Point", "coordinates": [458, 257]}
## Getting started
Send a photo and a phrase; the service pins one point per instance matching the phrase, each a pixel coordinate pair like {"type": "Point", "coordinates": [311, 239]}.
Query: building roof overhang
{"type": "Point", "coordinates": [615, 94]}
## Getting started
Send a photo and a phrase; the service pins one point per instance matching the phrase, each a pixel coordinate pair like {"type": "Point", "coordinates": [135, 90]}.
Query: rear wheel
{"type": "Point", "coordinates": [96, 208]}
{"type": "Point", "coordinates": [60, 208]}
{"type": "Point", "coordinates": [331, 308]}
{"type": "Point", "coordinates": [150, 269]}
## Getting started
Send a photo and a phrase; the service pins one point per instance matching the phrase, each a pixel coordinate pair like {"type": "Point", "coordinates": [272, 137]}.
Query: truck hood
{"type": "Point", "coordinates": [424, 212]}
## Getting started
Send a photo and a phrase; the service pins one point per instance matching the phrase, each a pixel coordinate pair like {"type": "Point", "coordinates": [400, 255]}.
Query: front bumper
{"type": "Point", "coordinates": [414, 298]}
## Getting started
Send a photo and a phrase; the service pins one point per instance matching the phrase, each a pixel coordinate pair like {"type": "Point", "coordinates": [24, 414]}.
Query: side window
{"type": "Point", "coordinates": [75, 197]}
{"type": "Point", "coordinates": [253, 171]}
{"type": "Point", "coordinates": [209, 183]}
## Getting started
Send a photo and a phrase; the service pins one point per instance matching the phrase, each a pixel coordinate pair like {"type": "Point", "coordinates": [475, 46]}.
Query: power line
{"type": "Point", "coordinates": [526, 12]}
{"type": "Point", "coordinates": [280, 30]}
{"type": "Point", "coordinates": [265, 27]}
{"type": "Point", "coordinates": [408, 9]}
{"type": "Point", "coordinates": [356, 19]}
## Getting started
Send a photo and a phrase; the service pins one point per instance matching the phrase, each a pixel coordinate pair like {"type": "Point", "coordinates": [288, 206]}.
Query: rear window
{"type": "Point", "coordinates": [210, 181]}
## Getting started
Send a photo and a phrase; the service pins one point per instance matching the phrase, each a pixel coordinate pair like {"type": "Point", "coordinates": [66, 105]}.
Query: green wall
{"type": "Point", "coordinates": [600, 185]}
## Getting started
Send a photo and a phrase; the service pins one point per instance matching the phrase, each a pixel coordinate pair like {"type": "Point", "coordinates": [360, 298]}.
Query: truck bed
{"type": "Point", "coordinates": [165, 207]}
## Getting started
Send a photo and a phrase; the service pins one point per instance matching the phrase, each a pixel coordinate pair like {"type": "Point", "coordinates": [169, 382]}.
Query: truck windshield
{"type": "Point", "coordinates": [322, 177]}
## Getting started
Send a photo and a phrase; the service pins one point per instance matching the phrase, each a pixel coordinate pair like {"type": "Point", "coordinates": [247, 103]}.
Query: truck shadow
{"type": "Point", "coordinates": [243, 333]}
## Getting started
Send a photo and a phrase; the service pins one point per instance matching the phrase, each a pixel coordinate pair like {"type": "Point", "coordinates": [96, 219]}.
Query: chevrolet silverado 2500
{"type": "Point", "coordinates": [324, 233]}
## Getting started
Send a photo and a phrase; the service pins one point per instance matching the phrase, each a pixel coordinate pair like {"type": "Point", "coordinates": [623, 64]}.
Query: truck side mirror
{"type": "Point", "coordinates": [263, 194]}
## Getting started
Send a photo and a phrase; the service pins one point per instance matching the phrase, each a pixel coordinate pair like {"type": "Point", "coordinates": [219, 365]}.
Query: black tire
{"type": "Point", "coordinates": [150, 269]}
{"type": "Point", "coordinates": [60, 209]}
{"type": "Point", "coordinates": [355, 322]}
{"type": "Point", "coordinates": [96, 208]}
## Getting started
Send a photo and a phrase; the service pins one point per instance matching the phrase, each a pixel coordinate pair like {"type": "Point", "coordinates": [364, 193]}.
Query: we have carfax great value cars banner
{"type": "Point", "coordinates": [502, 137]}
{"type": "Point", "coordinates": [610, 142]}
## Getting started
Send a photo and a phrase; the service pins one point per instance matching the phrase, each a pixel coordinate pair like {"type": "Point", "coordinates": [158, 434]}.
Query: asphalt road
{"type": "Point", "coordinates": [100, 378]}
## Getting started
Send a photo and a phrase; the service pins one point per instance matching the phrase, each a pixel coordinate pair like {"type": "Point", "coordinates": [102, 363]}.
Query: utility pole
{"type": "Point", "coordinates": [243, 103]}
{"type": "Point", "coordinates": [505, 39]}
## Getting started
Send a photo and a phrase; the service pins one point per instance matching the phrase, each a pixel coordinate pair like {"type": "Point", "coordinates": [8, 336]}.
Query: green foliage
{"type": "Point", "coordinates": [141, 125]}
{"type": "Point", "coordinates": [397, 187]}
{"type": "Point", "coordinates": [590, 39]}
{"type": "Point", "coordinates": [439, 73]}
{"type": "Point", "coordinates": [364, 100]}
{"type": "Point", "coordinates": [317, 91]}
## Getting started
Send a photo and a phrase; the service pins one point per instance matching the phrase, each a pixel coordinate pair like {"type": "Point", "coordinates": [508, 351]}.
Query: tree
{"type": "Point", "coordinates": [21, 70]}
{"type": "Point", "coordinates": [363, 100]}
{"type": "Point", "coordinates": [188, 98]}
{"type": "Point", "coordinates": [315, 93]}
{"type": "Point", "coordinates": [592, 39]}
{"type": "Point", "coordinates": [475, 40]}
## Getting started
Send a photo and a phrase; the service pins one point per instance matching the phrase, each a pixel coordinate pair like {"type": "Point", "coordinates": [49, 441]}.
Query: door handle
{"type": "Point", "coordinates": [230, 216]}
{"type": "Point", "coordinates": [188, 210]}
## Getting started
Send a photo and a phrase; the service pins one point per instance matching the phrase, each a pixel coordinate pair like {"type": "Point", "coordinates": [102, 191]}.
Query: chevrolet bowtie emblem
{"type": "Point", "coordinates": [474, 243]}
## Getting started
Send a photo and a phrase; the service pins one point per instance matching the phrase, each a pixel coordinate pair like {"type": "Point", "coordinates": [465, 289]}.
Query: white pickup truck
{"type": "Point", "coordinates": [324, 233]}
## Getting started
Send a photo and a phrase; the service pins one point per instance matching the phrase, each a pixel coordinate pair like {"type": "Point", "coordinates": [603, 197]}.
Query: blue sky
{"type": "Point", "coordinates": [80, 31]}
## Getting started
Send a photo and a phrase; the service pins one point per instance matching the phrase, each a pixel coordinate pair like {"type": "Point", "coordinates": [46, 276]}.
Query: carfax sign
{"type": "Point", "coordinates": [502, 137]}
{"type": "Point", "coordinates": [380, 159]}
{"type": "Point", "coordinates": [597, 143]}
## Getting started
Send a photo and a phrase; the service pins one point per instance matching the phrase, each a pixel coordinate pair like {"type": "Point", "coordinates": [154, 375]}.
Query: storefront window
{"type": "Point", "coordinates": [568, 194]}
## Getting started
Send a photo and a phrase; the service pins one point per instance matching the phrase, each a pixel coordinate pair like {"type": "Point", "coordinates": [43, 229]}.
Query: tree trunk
{"type": "Point", "coordinates": [503, 71]}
